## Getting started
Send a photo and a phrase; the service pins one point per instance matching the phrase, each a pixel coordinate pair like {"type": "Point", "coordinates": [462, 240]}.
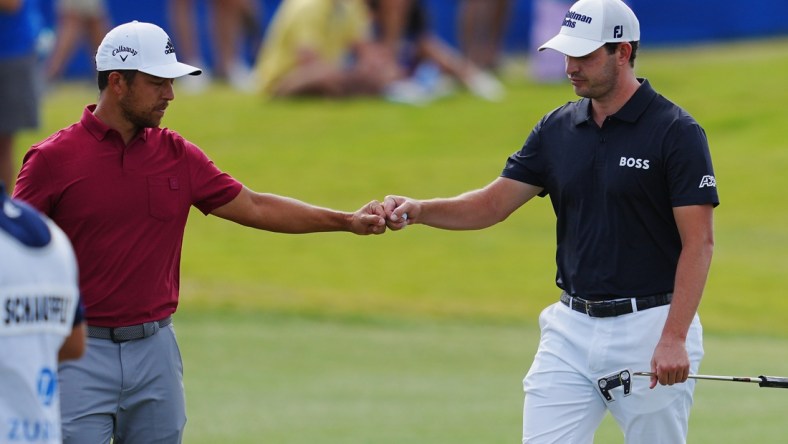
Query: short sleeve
{"type": "Point", "coordinates": [211, 187]}
{"type": "Point", "coordinates": [689, 169]}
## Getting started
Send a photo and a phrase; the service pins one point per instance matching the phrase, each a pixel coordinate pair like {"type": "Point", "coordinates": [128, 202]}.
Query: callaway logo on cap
{"type": "Point", "coordinates": [143, 47]}
{"type": "Point", "coordinates": [589, 24]}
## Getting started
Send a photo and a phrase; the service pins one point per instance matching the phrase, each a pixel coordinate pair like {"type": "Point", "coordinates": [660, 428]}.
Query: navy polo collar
{"type": "Point", "coordinates": [631, 110]}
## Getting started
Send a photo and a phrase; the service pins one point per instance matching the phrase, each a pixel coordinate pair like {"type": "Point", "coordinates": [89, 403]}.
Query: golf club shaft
{"type": "Point", "coordinates": [712, 377]}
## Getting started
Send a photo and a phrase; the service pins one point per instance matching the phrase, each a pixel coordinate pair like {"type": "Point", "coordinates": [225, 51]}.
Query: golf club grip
{"type": "Point", "coordinates": [773, 381]}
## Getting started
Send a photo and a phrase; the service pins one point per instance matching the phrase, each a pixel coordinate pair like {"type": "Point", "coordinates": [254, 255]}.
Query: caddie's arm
{"type": "Point", "coordinates": [287, 215]}
{"type": "Point", "coordinates": [74, 345]}
{"type": "Point", "coordinates": [472, 210]}
{"type": "Point", "coordinates": [671, 362]}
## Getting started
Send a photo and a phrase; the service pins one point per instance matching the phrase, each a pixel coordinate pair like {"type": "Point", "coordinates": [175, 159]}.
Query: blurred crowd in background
{"type": "Point", "coordinates": [404, 50]}
{"type": "Point", "coordinates": [388, 48]}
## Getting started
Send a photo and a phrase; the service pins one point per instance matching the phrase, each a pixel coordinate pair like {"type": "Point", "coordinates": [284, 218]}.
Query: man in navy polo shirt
{"type": "Point", "coordinates": [631, 182]}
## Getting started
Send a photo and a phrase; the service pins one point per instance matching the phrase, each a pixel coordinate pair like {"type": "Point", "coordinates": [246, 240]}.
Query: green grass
{"type": "Point", "coordinates": [253, 378]}
{"type": "Point", "coordinates": [423, 336]}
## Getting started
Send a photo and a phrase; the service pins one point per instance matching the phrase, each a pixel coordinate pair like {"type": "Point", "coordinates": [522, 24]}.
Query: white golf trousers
{"type": "Point", "coordinates": [563, 403]}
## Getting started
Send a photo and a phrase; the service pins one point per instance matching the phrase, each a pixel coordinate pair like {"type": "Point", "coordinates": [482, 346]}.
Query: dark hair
{"type": "Point", "coordinates": [103, 77]}
{"type": "Point", "coordinates": [611, 48]}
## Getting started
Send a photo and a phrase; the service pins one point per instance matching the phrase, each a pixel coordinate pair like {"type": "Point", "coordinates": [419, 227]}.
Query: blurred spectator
{"type": "Point", "coordinates": [233, 21]}
{"type": "Point", "coordinates": [547, 66]}
{"type": "Point", "coordinates": [76, 18]}
{"type": "Point", "coordinates": [482, 25]}
{"type": "Point", "coordinates": [20, 80]}
{"type": "Point", "coordinates": [322, 48]}
{"type": "Point", "coordinates": [403, 27]}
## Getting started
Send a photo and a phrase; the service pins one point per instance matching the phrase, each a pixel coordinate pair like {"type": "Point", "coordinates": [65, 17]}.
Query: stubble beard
{"type": "Point", "coordinates": [602, 86]}
{"type": "Point", "coordinates": [137, 118]}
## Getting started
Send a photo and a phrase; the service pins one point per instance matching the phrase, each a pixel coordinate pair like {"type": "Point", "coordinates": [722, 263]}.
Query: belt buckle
{"type": "Point", "coordinates": [150, 328]}
{"type": "Point", "coordinates": [585, 305]}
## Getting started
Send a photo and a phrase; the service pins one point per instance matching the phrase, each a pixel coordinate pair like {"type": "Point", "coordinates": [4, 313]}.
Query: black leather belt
{"type": "Point", "coordinates": [617, 307]}
{"type": "Point", "coordinates": [123, 334]}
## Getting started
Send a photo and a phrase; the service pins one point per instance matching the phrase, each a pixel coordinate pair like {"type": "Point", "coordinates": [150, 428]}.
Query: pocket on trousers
{"type": "Point", "coordinates": [163, 196]}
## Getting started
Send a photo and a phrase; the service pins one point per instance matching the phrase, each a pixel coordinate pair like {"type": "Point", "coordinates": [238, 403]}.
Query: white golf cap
{"type": "Point", "coordinates": [143, 47]}
{"type": "Point", "coordinates": [589, 24]}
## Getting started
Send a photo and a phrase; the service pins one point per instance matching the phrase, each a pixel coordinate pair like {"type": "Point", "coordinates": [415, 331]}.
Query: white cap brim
{"type": "Point", "coordinates": [172, 70]}
{"type": "Point", "coordinates": [572, 46]}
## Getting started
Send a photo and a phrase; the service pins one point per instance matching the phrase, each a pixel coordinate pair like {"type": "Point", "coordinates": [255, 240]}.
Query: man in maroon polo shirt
{"type": "Point", "coordinates": [121, 188]}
